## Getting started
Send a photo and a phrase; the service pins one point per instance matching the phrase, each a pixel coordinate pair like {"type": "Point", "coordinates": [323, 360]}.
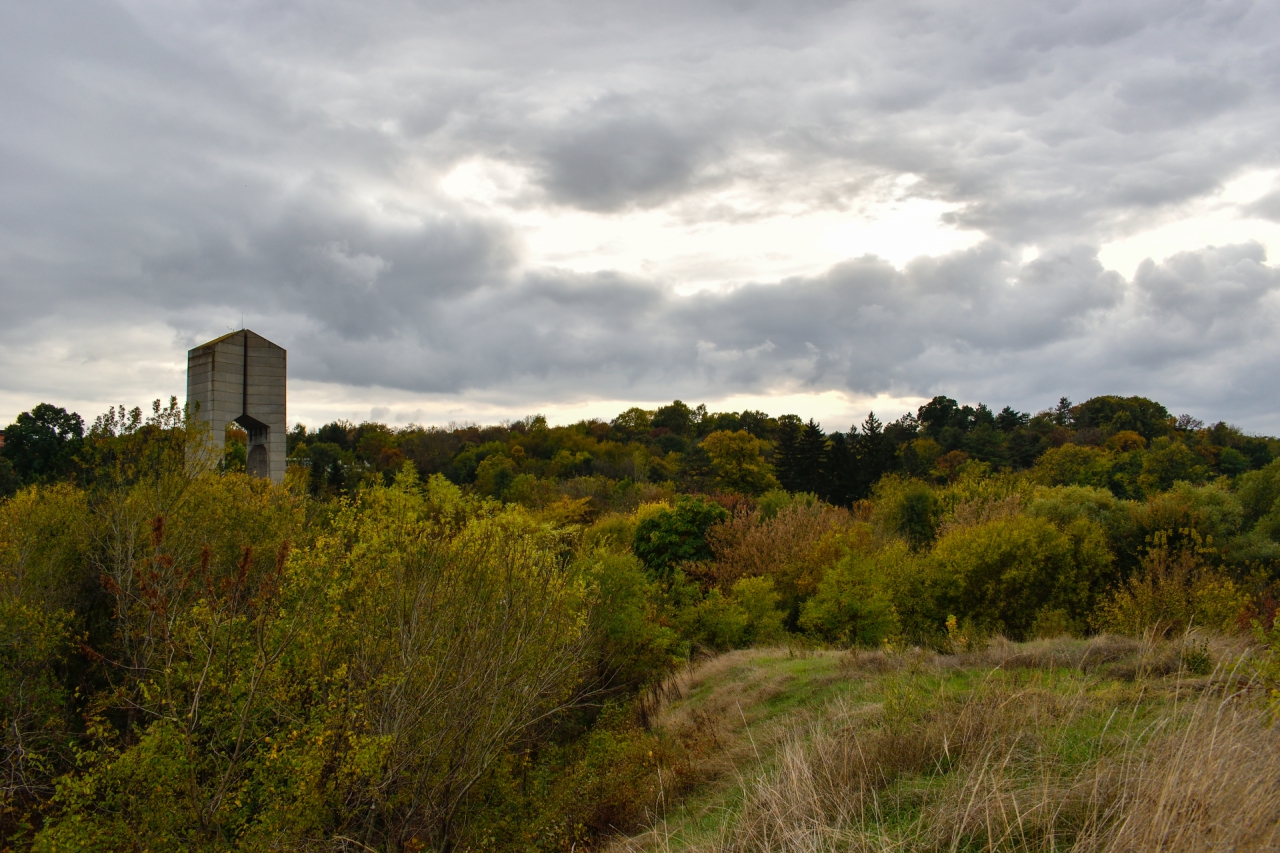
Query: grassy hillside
{"type": "Point", "coordinates": [1101, 744]}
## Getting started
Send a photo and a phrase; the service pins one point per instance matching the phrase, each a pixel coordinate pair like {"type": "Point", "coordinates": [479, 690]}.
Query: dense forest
{"type": "Point", "coordinates": [454, 638]}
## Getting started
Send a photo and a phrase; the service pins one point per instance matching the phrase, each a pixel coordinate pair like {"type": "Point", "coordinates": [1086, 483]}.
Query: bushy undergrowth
{"type": "Point", "coordinates": [194, 659]}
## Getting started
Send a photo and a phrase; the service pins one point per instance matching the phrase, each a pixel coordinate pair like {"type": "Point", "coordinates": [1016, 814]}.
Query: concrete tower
{"type": "Point", "coordinates": [240, 378]}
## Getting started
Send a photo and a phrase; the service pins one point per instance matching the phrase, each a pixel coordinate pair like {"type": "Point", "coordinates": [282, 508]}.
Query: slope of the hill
{"type": "Point", "coordinates": [1105, 744]}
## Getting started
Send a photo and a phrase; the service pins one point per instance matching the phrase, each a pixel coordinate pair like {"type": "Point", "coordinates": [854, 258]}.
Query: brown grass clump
{"type": "Point", "coordinates": [1115, 656]}
{"type": "Point", "coordinates": [1215, 785]}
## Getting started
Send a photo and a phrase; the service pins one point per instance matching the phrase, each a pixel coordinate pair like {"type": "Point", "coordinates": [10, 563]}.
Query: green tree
{"type": "Point", "coordinates": [10, 482]}
{"type": "Point", "coordinates": [42, 443]}
{"type": "Point", "coordinates": [634, 421]}
{"type": "Point", "coordinates": [1167, 462]}
{"type": "Point", "coordinates": [677, 417]}
{"type": "Point", "coordinates": [811, 460]}
{"type": "Point", "coordinates": [852, 605]}
{"type": "Point", "coordinates": [1111, 414]}
{"type": "Point", "coordinates": [1073, 465]}
{"type": "Point", "coordinates": [677, 534]}
{"type": "Point", "coordinates": [329, 467]}
{"type": "Point", "coordinates": [786, 453]}
{"type": "Point", "coordinates": [494, 475]}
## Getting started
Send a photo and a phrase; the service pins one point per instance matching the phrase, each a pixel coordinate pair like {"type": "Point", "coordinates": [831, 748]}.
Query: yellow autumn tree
{"type": "Point", "coordinates": [738, 463]}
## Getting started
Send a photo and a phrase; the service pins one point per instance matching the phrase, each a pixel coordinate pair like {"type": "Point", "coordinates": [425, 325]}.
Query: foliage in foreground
{"type": "Point", "coordinates": [191, 658]}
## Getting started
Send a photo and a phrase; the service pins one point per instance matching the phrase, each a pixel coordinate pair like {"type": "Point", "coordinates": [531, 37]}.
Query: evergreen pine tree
{"type": "Point", "coordinates": [786, 452]}
{"type": "Point", "coordinates": [812, 459]}
{"type": "Point", "coordinates": [871, 453]}
{"type": "Point", "coordinates": [841, 479]}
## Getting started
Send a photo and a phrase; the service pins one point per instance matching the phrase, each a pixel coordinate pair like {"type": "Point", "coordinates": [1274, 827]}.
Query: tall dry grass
{"type": "Point", "coordinates": [1002, 770]}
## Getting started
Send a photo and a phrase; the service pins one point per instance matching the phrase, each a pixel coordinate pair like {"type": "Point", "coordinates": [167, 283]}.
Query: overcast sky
{"type": "Point", "coordinates": [482, 210]}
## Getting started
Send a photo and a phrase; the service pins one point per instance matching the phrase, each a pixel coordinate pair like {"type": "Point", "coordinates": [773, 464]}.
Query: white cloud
{"type": "Point", "coordinates": [1219, 219]}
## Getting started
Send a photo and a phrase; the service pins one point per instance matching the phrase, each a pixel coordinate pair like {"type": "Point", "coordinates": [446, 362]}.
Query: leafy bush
{"type": "Point", "coordinates": [612, 533]}
{"type": "Point", "coordinates": [632, 649]}
{"type": "Point", "coordinates": [1065, 504]}
{"type": "Point", "coordinates": [759, 600]}
{"type": "Point", "coordinates": [1175, 589]}
{"type": "Point", "coordinates": [574, 795]}
{"type": "Point", "coordinates": [1210, 514]}
{"type": "Point", "coordinates": [1001, 574]}
{"type": "Point", "coordinates": [677, 534]}
{"type": "Point", "coordinates": [1259, 492]}
{"type": "Point", "coordinates": [715, 623]}
{"type": "Point", "coordinates": [359, 686]}
{"type": "Point", "coordinates": [853, 606]}
{"type": "Point", "coordinates": [36, 711]}
{"type": "Point", "coordinates": [907, 508]}
{"type": "Point", "coordinates": [793, 546]}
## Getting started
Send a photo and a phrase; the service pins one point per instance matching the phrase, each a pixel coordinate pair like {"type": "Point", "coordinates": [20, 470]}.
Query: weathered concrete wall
{"type": "Point", "coordinates": [227, 388]}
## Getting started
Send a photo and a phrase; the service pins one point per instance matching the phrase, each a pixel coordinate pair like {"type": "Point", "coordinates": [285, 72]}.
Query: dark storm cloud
{"type": "Point", "coordinates": [619, 163]}
{"type": "Point", "coordinates": [190, 164]}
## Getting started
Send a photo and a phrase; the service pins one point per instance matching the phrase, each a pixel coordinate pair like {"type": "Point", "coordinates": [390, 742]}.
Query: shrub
{"type": "Point", "coordinates": [1001, 574]}
{"type": "Point", "coordinates": [612, 533]}
{"type": "Point", "coordinates": [906, 508]}
{"type": "Point", "coordinates": [1259, 492]}
{"type": "Point", "coordinates": [716, 623]}
{"type": "Point", "coordinates": [36, 711]}
{"type": "Point", "coordinates": [759, 600]}
{"type": "Point", "coordinates": [774, 501]}
{"type": "Point", "coordinates": [1065, 504]}
{"type": "Point", "coordinates": [852, 605]}
{"type": "Point", "coordinates": [360, 687]}
{"type": "Point", "coordinates": [1213, 514]}
{"type": "Point", "coordinates": [792, 547]}
{"type": "Point", "coordinates": [677, 534]}
{"type": "Point", "coordinates": [1175, 589]}
{"type": "Point", "coordinates": [632, 649]}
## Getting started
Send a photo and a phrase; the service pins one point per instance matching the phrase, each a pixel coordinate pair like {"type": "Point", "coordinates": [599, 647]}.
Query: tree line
{"type": "Point", "coordinates": [1128, 445]}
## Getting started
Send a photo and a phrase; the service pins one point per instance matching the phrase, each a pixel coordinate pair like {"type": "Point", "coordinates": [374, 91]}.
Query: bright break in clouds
{"type": "Point", "coordinates": [479, 210]}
